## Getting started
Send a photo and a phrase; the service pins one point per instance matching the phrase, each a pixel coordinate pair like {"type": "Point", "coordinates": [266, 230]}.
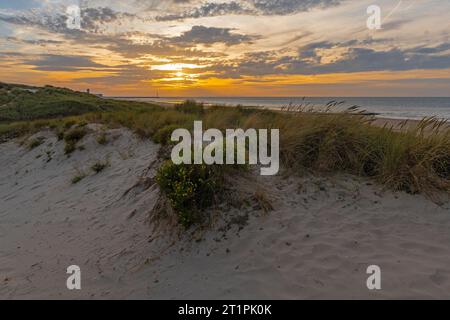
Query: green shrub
{"type": "Point", "coordinates": [102, 139]}
{"type": "Point", "coordinates": [69, 124]}
{"type": "Point", "coordinates": [72, 137]}
{"type": "Point", "coordinates": [49, 155]}
{"type": "Point", "coordinates": [163, 135]}
{"type": "Point", "coordinates": [99, 166]}
{"type": "Point", "coordinates": [75, 134]}
{"type": "Point", "coordinates": [70, 147]}
{"type": "Point", "coordinates": [60, 133]}
{"type": "Point", "coordinates": [78, 178]}
{"type": "Point", "coordinates": [34, 143]}
{"type": "Point", "coordinates": [190, 106]}
{"type": "Point", "coordinates": [190, 189]}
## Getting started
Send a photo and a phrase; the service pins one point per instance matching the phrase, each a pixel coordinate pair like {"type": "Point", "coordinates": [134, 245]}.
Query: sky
{"type": "Point", "coordinates": [228, 47]}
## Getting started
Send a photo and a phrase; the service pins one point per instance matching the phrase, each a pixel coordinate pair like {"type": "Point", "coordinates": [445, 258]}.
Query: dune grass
{"type": "Point", "coordinates": [415, 159]}
{"type": "Point", "coordinates": [102, 139]}
{"type": "Point", "coordinates": [77, 178]}
{"type": "Point", "coordinates": [72, 137]}
{"type": "Point", "coordinates": [99, 166]}
{"type": "Point", "coordinates": [34, 143]}
{"type": "Point", "coordinates": [22, 103]}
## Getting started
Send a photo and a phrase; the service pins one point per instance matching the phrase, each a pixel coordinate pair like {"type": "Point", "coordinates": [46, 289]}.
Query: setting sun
{"type": "Point", "coordinates": [175, 67]}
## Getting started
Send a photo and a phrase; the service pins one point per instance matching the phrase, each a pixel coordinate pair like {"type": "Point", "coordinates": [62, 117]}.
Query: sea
{"type": "Point", "coordinates": [415, 108]}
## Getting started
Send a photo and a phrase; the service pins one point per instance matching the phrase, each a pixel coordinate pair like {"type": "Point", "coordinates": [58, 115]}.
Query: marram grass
{"type": "Point", "coordinates": [415, 159]}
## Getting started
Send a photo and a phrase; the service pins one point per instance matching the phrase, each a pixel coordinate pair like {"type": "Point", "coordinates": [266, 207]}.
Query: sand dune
{"type": "Point", "coordinates": [317, 243]}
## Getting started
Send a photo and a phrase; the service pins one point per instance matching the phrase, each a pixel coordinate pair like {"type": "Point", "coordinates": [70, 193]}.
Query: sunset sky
{"type": "Point", "coordinates": [229, 47]}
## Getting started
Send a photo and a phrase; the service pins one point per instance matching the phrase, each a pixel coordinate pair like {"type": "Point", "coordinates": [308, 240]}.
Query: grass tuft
{"type": "Point", "coordinates": [102, 139]}
{"type": "Point", "coordinates": [72, 137]}
{"type": "Point", "coordinates": [99, 166]}
{"type": "Point", "coordinates": [190, 106]}
{"type": "Point", "coordinates": [78, 178]}
{"type": "Point", "coordinates": [34, 143]}
{"type": "Point", "coordinates": [164, 134]}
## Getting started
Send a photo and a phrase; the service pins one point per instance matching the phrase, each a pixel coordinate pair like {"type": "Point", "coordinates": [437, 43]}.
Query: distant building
{"type": "Point", "coordinates": [100, 95]}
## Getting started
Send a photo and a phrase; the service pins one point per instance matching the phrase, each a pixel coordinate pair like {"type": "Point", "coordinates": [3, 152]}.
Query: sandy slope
{"type": "Point", "coordinates": [317, 243]}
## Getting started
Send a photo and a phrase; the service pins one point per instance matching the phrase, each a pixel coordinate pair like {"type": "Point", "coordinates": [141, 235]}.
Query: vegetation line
{"type": "Point", "coordinates": [415, 159]}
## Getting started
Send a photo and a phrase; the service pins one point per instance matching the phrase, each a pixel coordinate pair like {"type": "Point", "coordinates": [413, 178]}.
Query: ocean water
{"type": "Point", "coordinates": [385, 107]}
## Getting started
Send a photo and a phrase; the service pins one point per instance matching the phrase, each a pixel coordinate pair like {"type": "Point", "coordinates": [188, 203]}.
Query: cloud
{"type": "Point", "coordinates": [208, 10]}
{"type": "Point", "coordinates": [182, 46]}
{"type": "Point", "coordinates": [364, 59]}
{"type": "Point", "coordinates": [39, 42]}
{"type": "Point", "coordinates": [284, 7]}
{"type": "Point", "coordinates": [356, 59]}
{"type": "Point", "coordinates": [53, 23]}
{"type": "Point", "coordinates": [428, 50]}
{"type": "Point", "coordinates": [51, 62]}
{"type": "Point", "coordinates": [249, 7]}
{"type": "Point", "coordinates": [92, 19]}
{"type": "Point", "coordinates": [210, 35]}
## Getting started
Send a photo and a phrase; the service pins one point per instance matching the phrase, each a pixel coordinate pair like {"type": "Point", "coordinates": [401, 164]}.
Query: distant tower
{"type": "Point", "coordinates": [88, 91]}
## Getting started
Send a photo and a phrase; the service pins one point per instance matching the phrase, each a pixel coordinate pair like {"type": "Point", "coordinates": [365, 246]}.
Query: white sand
{"type": "Point", "coordinates": [317, 243]}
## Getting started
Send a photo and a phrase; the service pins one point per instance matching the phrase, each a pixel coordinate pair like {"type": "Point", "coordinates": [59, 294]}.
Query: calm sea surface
{"type": "Point", "coordinates": [398, 108]}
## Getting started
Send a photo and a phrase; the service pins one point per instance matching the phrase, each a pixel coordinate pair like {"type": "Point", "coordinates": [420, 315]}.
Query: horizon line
{"type": "Point", "coordinates": [297, 97]}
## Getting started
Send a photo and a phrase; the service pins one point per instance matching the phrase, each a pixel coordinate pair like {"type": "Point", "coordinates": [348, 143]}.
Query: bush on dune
{"type": "Point", "coordinates": [75, 134]}
{"type": "Point", "coordinates": [99, 166]}
{"type": "Point", "coordinates": [72, 137]}
{"type": "Point", "coordinates": [190, 189]}
{"type": "Point", "coordinates": [102, 139]}
{"type": "Point", "coordinates": [80, 176]}
{"type": "Point", "coordinates": [164, 134]}
{"type": "Point", "coordinates": [190, 106]}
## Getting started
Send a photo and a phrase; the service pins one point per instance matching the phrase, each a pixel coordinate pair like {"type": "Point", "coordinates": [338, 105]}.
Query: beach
{"type": "Point", "coordinates": [317, 242]}
{"type": "Point", "coordinates": [396, 108]}
{"type": "Point", "coordinates": [404, 121]}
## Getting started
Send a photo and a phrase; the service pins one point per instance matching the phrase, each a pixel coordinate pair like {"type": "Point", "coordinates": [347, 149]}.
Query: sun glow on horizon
{"type": "Point", "coordinates": [175, 67]}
